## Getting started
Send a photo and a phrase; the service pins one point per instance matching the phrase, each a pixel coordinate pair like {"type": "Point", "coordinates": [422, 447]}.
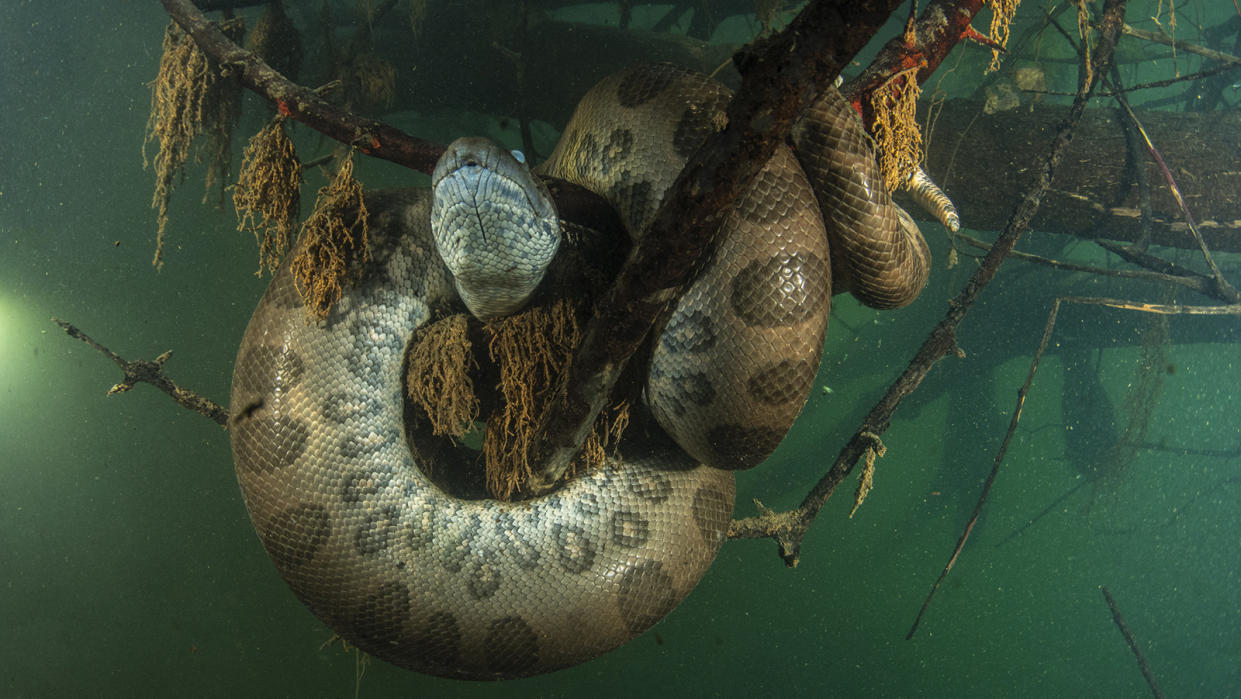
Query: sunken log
{"type": "Point", "coordinates": [982, 161]}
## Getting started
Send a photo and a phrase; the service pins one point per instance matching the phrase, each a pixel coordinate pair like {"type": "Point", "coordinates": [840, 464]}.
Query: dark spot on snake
{"type": "Point", "coordinates": [652, 486]}
{"type": "Point", "coordinates": [688, 332]}
{"type": "Point", "coordinates": [677, 394]}
{"type": "Point", "coordinates": [383, 626]}
{"type": "Point", "coordinates": [642, 85]}
{"type": "Point", "coordinates": [738, 447]}
{"type": "Point", "coordinates": [574, 549]}
{"type": "Point", "coordinates": [635, 201]}
{"type": "Point", "coordinates": [434, 645]}
{"type": "Point", "coordinates": [586, 156]}
{"type": "Point", "coordinates": [293, 537]}
{"type": "Point", "coordinates": [615, 152]}
{"type": "Point", "coordinates": [712, 509]}
{"type": "Point", "coordinates": [645, 595]}
{"type": "Point", "coordinates": [375, 533]}
{"type": "Point", "coordinates": [376, 349]}
{"type": "Point", "coordinates": [362, 442]}
{"type": "Point", "coordinates": [361, 484]}
{"type": "Point", "coordinates": [587, 505]}
{"type": "Point", "coordinates": [484, 577]}
{"type": "Point", "coordinates": [511, 647]}
{"type": "Point", "coordinates": [263, 445]}
{"type": "Point", "coordinates": [553, 503]}
{"type": "Point", "coordinates": [785, 381]}
{"type": "Point", "coordinates": [630, 529]}
{"type": "Point", "coordinates": [514, 543]}
{"type": "Point", "coordinates": [343, 407]}
{"type": "Point", "coordinates": [781, 290]}
{"type": "Point", "coordinates": [380, 618]}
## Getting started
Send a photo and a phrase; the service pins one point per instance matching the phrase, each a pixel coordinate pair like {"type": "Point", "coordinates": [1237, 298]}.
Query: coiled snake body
{"type": "Point", "coordinates": [487, 590]}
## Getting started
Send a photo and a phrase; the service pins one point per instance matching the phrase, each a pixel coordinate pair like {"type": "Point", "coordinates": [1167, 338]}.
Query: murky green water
{"type": "Point", "coordinates": [128, 566]}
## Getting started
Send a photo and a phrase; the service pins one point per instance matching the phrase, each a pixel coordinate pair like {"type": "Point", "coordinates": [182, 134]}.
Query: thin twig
{"type": "Point", "coordinates": [1048, 327]}
{"type": "Point", "coordinates": [1133, 643]}
{"type": "Point", "coordinates": [1112, 19]}
{"type": "Point", "coordinates": [152, 372]}
{"type": "Point", "coordinates": [1162, 38]}
{"type": "Point", "coordinates": [1165, 272]}
{"type": "Point", "coordinates": [995, 466]}
{"type": "Point", "coordinates": [1225, 289]}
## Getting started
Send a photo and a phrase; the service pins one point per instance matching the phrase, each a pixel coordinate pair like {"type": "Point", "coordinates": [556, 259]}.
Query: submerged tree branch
{"type": "Point", "coordinates": [1092, 71]}
{"type": "Point", "coordinates": [1132, 642]}
{"type": "Point", "coordinates": [940, 27]}
{"type": "Point", "coordinates": [370, 136]}
{"type": "Point", "coordinates": [152, 372]}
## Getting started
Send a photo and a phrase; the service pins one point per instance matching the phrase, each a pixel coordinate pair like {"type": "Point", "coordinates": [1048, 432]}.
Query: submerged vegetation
{"type": "Point", "coordinates": [189, 98]}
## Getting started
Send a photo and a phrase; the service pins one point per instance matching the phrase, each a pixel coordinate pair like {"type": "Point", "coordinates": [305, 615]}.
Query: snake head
{"type": "Point", "coordinates": [494, 224]}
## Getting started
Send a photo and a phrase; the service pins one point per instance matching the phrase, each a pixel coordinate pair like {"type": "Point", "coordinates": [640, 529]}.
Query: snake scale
{"type": "Point", "coordinates": [482, 589]}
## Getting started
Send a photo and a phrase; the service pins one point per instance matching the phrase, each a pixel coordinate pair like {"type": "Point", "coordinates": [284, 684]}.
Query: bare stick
{"type": "Point", "coordinates": [1162, 38]}
{"type": "Point", "coordinates": [1113, 16]}
{"type": "Point", "coordinates": [152, 372]}
{"type": "Point", "coordinates": [1133, 643]}
{"type": "Point", "coordinates": [1021, 398]}
{"type": "Point", "coordinates": [995, 466]}
{"type": "Point", "coordinates": [1167, 272]}
{"type": "Point", "coordinates": [372, 137]}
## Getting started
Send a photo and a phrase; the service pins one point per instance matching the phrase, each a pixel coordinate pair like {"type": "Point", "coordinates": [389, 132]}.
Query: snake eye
{"type": "Point", "coordinates": [519, 156]}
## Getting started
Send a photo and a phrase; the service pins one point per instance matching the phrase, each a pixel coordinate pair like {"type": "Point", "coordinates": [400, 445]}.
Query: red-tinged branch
{"type": "Point", "coordinates": [941, 26]}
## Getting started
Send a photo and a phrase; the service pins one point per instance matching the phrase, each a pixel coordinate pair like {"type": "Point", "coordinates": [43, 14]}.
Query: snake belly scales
{"type": "Point", "coordinates": [482, 589]}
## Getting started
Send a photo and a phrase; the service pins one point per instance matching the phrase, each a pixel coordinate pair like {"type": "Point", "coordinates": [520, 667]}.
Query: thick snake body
{"type": "Point", "coordinates": [483, 589]}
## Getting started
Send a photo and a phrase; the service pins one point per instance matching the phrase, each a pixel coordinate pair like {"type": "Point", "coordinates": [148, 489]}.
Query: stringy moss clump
{"type": "Point", "coordinates": [533, 349]}
{"type": "Point", "coordinates": [189, 98]}
{"type": "Point", "coordinates": [439, 376]}
{"type": "Point", "coordinates": [418, 12]}
{"type": "Point", "coordinates": [277, 41]}
{"type": "Point", "coordinates": [1002, 12]}
{"type": "Point", "coordinates": [896, 131]}
{"type": "Point", "coordinates": [267, 195]}
{"type": "Point", "coordinates": [334, 238]}
{"type": "Point", "coordinates": [369, 81]}
{"type": "Point", "coordinates": [867, 481]}
{"type": "Point", "coordinates": [605, 433]}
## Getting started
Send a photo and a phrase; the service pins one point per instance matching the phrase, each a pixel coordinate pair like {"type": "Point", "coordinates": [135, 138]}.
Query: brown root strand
{"type": "Point", "coordinates": [532, 349]}
{"type": "Point", "coordinates": [268, 191]}
{"type": "Point", "coordinates": [177, 96]}
{"type": "Point", "coordinates": [334, 238]}
{"type": "Point", "coordinates": [439, 380]}
{"type": "Point", "coordinates": [1002, 12]}
{"type": "Point", "coordinates": [896, 129]}
{"type": "Point", "coordinates": [276, 40]}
